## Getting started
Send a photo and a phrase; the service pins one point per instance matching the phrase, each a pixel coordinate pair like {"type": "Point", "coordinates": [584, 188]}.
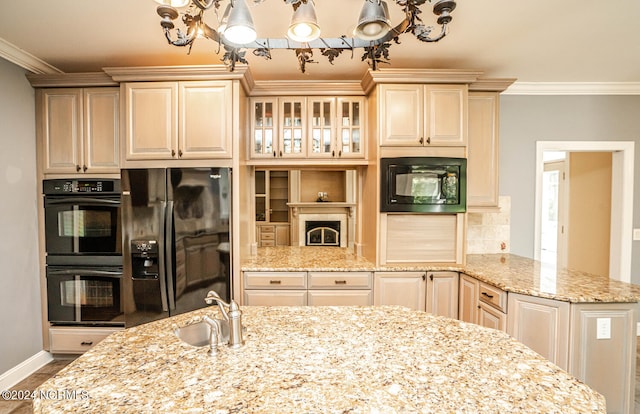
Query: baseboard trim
{"type": "Point", "coordinates": [24, 369]}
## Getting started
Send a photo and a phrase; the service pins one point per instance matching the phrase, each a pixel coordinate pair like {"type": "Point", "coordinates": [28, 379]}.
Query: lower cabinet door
{"type": "Point", "coordinates": [339, 298]}
{"type": "Point", "coordinates": [491, 318]}
{"type": "Point", "coordinates": [275, 297]}
{"type": "Point", "coordinates": [401, 289]}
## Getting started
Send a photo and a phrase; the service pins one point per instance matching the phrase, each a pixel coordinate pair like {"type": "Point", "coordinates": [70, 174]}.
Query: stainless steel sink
{"type": "Point", "coordinates": [199, 333]}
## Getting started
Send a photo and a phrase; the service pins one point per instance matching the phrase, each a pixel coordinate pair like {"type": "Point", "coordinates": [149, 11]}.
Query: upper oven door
{"type": "Point", "coordinates": [82, 226]}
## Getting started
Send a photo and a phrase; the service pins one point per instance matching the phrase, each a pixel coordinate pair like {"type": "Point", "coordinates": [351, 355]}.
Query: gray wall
{"type": "Point", "coordinates": [20, 317]}
{"type": "Point", "coordinates": [524, 120]}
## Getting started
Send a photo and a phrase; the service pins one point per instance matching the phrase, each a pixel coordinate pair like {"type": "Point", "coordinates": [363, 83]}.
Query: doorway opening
{"type": "Point", "coordinates": [621, 222]}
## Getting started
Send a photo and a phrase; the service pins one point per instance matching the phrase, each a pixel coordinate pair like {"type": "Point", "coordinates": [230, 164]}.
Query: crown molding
{"type": "Point", "coordinates": [388, 75]}
{"type": "Point", "coordinates": [573, 88]}
{"type": "Point", "coordinates": [24, 59]}
{"type": "Point", "coordinates": [303, 88]}
{"type": "Point", "coordinates": [75, 80]}
{"type": "Point", "coordinates": [175, 73]}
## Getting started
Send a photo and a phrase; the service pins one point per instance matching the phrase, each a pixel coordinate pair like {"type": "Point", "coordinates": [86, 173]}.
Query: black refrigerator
{"type": "Point", "coordinates": [176, 240]}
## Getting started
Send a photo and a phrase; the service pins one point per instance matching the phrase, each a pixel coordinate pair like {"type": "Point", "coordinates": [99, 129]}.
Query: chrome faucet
{"type": "Point", "coordinates": [233, 316]}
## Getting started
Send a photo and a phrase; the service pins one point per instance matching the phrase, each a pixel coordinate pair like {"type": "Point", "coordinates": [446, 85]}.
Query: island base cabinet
{"type": "Point", "coordinates": [339, 298]}
{"type": "Point", "coordinates": [541, 324]}
{"type": "Point", "coordinates": [275, 298]}
{"type": "Point", "coordinates": [603, 351]}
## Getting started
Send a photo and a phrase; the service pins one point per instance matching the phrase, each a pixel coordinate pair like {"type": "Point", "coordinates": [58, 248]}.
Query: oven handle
{"type": "Point", "coordinates": [85, 272]}
{"type": "Point", "coordinates": [85, 200]}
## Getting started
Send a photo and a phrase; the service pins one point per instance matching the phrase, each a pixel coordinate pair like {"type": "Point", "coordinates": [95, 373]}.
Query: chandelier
{"type": "Point", "coordinates": [235, 31]}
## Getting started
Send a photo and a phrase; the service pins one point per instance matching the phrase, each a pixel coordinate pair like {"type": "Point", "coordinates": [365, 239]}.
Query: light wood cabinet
{"type": "Point", "coordinates": [272, 212]}
{"type": "Point", "coordinates": [602, 351]}
{"type": "Point", "coordinates": [76, 340]}
{"type": "Point", "coordinates": [421, 238]}
{"type": "Point", "coordinates": [483, 151]}
{"type": "Point", "coordinates": [442, 294]}
{"type": "Point", "coordinates": [541, 324]}
{"type": "Point", "coordinates": [434, 292]}
{"type": "Point", "coordinates": [312, 127]}
{"type": "Point", "coordinates": [423, 115]}
{"type": "Point", "coordinates": [482, 304]}
{"type": "Point", "coordinates": [312, 288]}
{"type": "Point", "coordinates": [178, 120]}
{"type": "Point", "coordinates": [275, 288]}
{"type": "Point", "coordinates": [78, 130]}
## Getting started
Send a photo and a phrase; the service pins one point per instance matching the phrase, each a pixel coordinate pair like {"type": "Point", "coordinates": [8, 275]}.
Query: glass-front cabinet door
{"type": "Point", "coordinates": [263, 128]}
{"type": "Point", "coordinates": [321, 127]}
{"type": "Point", "coordinates": [292, 127]}
{"type": "Point", "coordinates": [350, 127]}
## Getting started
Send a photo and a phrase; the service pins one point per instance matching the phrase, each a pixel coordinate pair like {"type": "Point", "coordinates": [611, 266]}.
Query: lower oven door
{"type": "Point", "coordinates": [85, 296]}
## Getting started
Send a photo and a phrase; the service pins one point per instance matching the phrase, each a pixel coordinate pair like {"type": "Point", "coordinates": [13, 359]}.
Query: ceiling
{"type": "Point", "coordinates": [533, 41]}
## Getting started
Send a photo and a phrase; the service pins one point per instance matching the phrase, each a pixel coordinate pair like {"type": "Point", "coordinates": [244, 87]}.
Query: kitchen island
{"type": "Point", "coordinates": [319, 359]}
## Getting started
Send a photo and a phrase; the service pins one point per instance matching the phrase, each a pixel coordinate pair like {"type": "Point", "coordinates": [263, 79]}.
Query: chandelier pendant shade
{"type": "Point", "coordinates": [374, 20]}
{"type": "Point", "coordinates": [374, 33]}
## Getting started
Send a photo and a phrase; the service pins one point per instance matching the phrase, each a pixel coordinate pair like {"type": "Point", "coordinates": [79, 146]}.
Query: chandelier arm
{"type": "Point", "coordinates": [426, 38]}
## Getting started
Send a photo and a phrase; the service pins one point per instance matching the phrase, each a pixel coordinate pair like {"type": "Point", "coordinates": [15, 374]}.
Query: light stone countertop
{"type": "Point", "coordinates": [320, 360]}
{"type": "Point", "coordinates": [509, 272]}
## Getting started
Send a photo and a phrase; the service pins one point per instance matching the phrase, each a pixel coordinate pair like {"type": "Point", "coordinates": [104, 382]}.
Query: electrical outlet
{"type": "Point", "coordinates": [636, 234]}
{"type": "Point", "coordinates": [603, 328]}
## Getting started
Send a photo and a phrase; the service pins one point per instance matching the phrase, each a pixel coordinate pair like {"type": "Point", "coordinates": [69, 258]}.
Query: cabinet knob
{"type": "Point", "coordinates": [428, 140]}
{"type": "Point", "coordinates": [333, 153]}
{"type": "Point", "coordinates": [173, 153]}
{"type": "Point", "coordinates": [281, 153]}
{"type": "Point", "coordinates": [274, 153]}
{"type": "Point", "coordinates": [478, 306]}
{"type": "Point", "coordinates": [431, 277]}
{"type": "Point", "coordinates": [340, 153]}
{"type": "Point", "coordinates": [84, 168]}
{"type": "Point", "coordinates": [179, 153]}
{"type": "Point", "coordinates": [77, 168]}
{"type": "Point", "coordinates": [424, 277]}
{"type": "Point", "coordinates": [421, 140]}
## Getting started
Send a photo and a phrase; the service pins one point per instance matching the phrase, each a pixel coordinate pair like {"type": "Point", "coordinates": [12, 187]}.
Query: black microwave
{"type": "Point", "coordinates": [423, 185]}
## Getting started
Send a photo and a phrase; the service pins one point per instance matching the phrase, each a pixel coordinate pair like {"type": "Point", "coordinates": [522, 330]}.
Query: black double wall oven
{"type": "Point", "coordinates": [84, 252]}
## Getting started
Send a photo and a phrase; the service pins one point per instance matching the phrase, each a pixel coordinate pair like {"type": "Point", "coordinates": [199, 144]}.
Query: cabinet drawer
{"type": "Point", "coordinates": [275, 280]}
{"type": "Point", "coordinates": [275, 298]}
{"type": "Point", "coordinates": [267, 229]}
{"type": "Point", "coordinates": [267, 243]}
{"type": "Point", "coordinates": [339, 280]}
{"type": "Point", "coordinates": [339, 298]}
{"type": "Point", "coordinates": [76, 340]}
{"type": "Point", "coordinates": [267, 236]}
{"type": "Point", "coordinates": [493, 296]}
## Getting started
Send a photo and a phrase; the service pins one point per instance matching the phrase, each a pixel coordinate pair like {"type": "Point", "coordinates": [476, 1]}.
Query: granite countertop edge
{"type": "Point", "coordinates": [474, 267]}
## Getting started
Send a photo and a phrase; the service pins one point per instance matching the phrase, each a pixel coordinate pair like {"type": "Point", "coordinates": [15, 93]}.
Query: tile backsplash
{"type": "Point", "coordinates": [490, 232]}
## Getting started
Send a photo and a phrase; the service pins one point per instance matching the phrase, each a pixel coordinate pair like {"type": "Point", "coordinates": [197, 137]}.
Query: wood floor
{"type": "Point", "coordinates": [49, 370]}
{"type": "Point", "coordinates": [31, 383]}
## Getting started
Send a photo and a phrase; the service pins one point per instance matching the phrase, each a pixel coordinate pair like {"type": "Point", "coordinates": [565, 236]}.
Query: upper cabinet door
{"type": "Point", "coordinates": [321, 136]}
{"type": "Point", "coordinates": [204, 119]}
{"type": "Point", "coordinates": [482, 161]}
{"type": "Point", "coordinates": [60, 123]}
{"type": "Point", "coordinates": [447, 115]}
{"type": "Point", "coordinates": [264, 124]}
{"type": "Point", "coordinates": [423, 115]}
{"type": "Point", "coordinates": [293, 127]}
{"type": "Point", "coordinates": [78, 130]}
{"type": "Point", "coordinates": [102, 130]}
{"type": "Point", "coordinates": [401, 115]}
{"type": "Point", "coordinates": [151, 120]}
{"type": "Point", "coordinates": [350, 124]}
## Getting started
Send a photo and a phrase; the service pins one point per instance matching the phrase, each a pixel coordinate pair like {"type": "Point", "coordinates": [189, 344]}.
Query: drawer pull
{"type": "Point", "coordinates": [487, 295]}
{"type": "Point", "coordinates": [340, 282]}
{"type": "Point", "coordinates": [86, 343]}
{"type": "Point", "coordinates": [275, 282]}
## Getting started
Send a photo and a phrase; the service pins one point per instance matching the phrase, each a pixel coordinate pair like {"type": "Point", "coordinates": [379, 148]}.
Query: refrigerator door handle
{"type": "Point", "coordinates": [162, 270]}
{"type": "Point", "coordinates": [169, 249]}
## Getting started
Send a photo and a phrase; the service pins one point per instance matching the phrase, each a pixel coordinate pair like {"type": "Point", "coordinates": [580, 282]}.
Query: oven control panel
{"type": "Point", "coordinates": [70, 187]}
